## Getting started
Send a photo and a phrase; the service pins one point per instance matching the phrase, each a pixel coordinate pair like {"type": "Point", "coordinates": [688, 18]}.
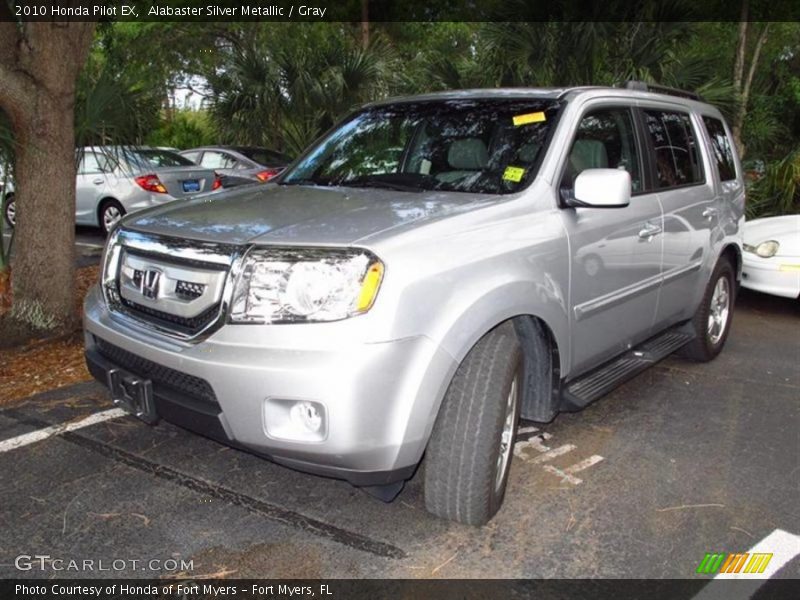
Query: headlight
{"type": "Point", "coordinates": [284, 285]}
{"type": "Point", "coordinates": [766, 249]}
{"type": "Point", "coordinates": [109, 266]}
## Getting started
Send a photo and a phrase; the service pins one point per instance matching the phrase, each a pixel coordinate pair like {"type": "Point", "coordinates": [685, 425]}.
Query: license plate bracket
{"type": "Point", "coordinates": [133, 394]}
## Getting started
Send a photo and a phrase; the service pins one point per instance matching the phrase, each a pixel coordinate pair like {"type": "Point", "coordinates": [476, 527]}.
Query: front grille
{"type": "Point", "coordinates": [161, 376]}
{"type": "Point", "coordinates": [188, 290]}
{"type": "Point", "coordinates": [187, 325]}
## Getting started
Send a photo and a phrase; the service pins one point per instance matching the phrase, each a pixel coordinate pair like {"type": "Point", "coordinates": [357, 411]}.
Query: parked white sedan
{"type": "Point", "coordinates": [772, 256]}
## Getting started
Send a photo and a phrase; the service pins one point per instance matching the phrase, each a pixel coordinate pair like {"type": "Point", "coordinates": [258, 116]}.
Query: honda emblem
{"type": "Point", "coordinates": [149, 284]}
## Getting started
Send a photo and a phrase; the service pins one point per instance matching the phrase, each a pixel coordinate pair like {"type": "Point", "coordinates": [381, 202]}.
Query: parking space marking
{"type": "Point", "coordinates": [42, 434]}
{"type": "Point", "coordinates": [782, 545]}
{"type": "Point", "coordinates": [551, 454]}
{"type": "Point", "coordinates": [568, 475]}
{"type": "Point", "coordinates": [546, 454]}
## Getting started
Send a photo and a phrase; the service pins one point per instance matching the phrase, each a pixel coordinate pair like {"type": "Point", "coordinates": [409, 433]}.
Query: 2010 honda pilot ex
{"type": "Point", "coordinates": [433, 269]}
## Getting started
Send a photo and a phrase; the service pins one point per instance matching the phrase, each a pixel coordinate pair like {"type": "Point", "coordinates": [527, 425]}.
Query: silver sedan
{"type": "Point", "coordinates": [115, 180]}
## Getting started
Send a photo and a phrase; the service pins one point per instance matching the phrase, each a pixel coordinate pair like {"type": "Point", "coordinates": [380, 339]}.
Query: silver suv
{"type": "Point", "coordinates": [433, 270]}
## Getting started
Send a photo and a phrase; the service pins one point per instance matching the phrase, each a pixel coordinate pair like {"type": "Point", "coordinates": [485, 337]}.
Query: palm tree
{"type": "Point", "coordinates": [283, 90]}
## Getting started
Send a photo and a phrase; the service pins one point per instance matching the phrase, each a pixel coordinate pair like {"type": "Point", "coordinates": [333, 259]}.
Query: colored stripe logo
{"type": "Point", "coordinates": [722, 562]}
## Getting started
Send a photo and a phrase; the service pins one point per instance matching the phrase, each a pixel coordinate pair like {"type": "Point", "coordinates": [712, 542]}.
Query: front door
{"type": "Point", "coordinates": [615, 252]}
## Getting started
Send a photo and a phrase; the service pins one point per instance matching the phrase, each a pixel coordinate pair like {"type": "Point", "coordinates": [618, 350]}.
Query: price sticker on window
{"type": "Point", "coordinates": [534, 117]}
{"type": "Point", "coordinates": [514, 174]}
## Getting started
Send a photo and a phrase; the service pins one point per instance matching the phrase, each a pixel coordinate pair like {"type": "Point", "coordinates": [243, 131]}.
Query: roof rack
{"type": "Point", "coordinates": [643, 86]}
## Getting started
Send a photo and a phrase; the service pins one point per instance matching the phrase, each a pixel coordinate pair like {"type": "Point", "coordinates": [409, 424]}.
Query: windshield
{"type": "Point", "coordinates": [486, 146]}
{"type": "Point", "coordinates": [264, 156]}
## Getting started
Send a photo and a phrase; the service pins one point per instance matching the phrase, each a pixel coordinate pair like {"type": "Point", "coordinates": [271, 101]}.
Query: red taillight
{"type": "Point", "coordinates": [267, 174]}
{"type": "Point", "coordinates": [217, 182]}
{"type": "Point", "coordinates": [151, 183]}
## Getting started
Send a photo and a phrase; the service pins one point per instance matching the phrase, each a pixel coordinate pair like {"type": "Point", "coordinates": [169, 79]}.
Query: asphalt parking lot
{"type": "Point", "coordinates": [89, 243]}
{"type": "Point", "coordinates": [683, 460]}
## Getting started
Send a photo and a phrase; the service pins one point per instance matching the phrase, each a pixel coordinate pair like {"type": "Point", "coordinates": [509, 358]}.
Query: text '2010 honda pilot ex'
{"type": "Point", "coordinates": [431, 271]}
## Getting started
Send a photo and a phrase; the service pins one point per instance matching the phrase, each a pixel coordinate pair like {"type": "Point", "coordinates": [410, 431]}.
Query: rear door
{"type": "Point", "coordinates": [615, 252]}
{"type": "Point", "coordinates": [686, 192]}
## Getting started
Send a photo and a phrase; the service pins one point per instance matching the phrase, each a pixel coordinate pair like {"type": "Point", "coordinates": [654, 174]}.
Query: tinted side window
{"type": "Point", "coordinates": [721, 146]}
{"type": "Point", "coordinates": [604, 140]}
{"type": "Point", "coordinates": [677, 158]}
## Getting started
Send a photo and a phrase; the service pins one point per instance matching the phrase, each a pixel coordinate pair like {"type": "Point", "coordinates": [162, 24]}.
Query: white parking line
{"type": "Point", "coordinates": [551, 454]}
{"type": "Point", "coordinates": [535, 442]}
{"type": "Point", "coordinates": [43, 434]}
{"type": "Point", "coordinates": [568, 475]}
{"type": "Point", "coordinates": [782, 545]}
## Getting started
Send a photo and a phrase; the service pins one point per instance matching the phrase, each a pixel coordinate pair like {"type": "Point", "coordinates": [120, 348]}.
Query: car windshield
{"type": "Point", "coordinates": [489, 146]}
{"type": "Point", "coordinates": [265, 157]}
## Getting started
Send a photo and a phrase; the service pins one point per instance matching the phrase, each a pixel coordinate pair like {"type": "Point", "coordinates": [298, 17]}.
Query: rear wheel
{"type": "Point", "coordinates": [712, 321]}
{"type": "Point", "coordinates": [109, 214]}
{"type": "Point", "coordinates": [10, 213]}
{"type": "Point", "coordinates": [469, 455]}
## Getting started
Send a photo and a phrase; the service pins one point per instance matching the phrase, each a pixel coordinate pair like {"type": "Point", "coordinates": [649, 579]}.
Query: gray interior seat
{"type": "Point", "coordinates": [465, 157]}
{"type": "Point", "coordinates": [588, 154]}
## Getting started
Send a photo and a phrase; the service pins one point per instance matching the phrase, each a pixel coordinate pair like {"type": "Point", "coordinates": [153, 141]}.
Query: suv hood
{"type": "Point", "coordinates": [299, 214]}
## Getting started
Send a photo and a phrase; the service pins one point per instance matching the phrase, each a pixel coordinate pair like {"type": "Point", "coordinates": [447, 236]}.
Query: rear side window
{"type": "Point", "coordinates": [722, 148]}
{"type": "Point", "coordinates": [675, 145]}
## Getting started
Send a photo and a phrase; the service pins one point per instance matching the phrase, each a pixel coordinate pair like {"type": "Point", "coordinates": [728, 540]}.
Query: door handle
{"type": "Point", "coordinates": [649, 230]}
{"type": "Point", "coordinates": [710, 213]}
{"type": "Point", "coordinates": [98, 180]}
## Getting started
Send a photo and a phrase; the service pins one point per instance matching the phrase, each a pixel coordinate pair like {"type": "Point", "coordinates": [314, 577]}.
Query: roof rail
{"type": "Point", "coordinates": [643, 86]}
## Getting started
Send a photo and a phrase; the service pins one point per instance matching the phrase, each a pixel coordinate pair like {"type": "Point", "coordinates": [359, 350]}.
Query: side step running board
{"type": "Point", "coordinates": [587, 388]}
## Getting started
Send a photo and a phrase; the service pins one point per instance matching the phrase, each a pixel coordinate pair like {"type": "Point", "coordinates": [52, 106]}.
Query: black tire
{"type": "Point", "coordinates": [9, 214]}
{"type": "Point", "coordinates": [461, 463]}
{"type": "Point", "coordinates": [707, 345]}
{"type": "Point", "coordinates": [106, 207]}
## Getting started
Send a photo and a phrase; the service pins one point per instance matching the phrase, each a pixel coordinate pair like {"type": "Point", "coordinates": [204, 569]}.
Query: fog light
{"type": "Point", "coordinates": [295, 420]}
{"type": "Point", "coordinates": [307, 415]}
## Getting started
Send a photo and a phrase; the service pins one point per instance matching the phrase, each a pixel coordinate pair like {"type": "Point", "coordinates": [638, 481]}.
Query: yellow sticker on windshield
{"type": "Point", "coordinates": [536, 117]}
{"type": "Point", "coordinates": [514, 174]}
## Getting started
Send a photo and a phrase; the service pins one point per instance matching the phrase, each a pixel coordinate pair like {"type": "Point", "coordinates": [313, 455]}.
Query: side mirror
{"type": "Point", "coordinates": [603, 188]}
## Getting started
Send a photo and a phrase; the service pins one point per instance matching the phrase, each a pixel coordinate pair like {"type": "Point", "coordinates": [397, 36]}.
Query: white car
{"type": "Point", "coordinates": [772, 256]}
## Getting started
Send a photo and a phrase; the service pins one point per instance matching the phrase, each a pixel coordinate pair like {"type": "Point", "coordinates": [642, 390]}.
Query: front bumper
{"type": "Point", "coordinates": [380, 399]}
{"type": "Point", "coordinates": [779, 275]}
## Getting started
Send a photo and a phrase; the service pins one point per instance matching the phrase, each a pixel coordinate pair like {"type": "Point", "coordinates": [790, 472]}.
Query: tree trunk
{"type": "Point", "coordinates": [44, 262]}
{"type": "Point", "coordinates": [39, 67]}
{"type": "Point", "coordinates": [5, 290]}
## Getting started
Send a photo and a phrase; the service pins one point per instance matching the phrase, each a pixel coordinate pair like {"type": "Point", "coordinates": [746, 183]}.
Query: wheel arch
{"type": "Point", "coordinates": [734, 254]}
{"type": "Point", "coordinates": [103, 201]}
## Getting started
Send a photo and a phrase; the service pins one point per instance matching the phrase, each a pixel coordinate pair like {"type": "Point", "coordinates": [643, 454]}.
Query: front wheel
{"type": "Point", "coordinates": [712, 321]}
{"type": "Point", "coordinates": [10, 213]}
{"type": "Point", "coordinates": [469, 454]}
